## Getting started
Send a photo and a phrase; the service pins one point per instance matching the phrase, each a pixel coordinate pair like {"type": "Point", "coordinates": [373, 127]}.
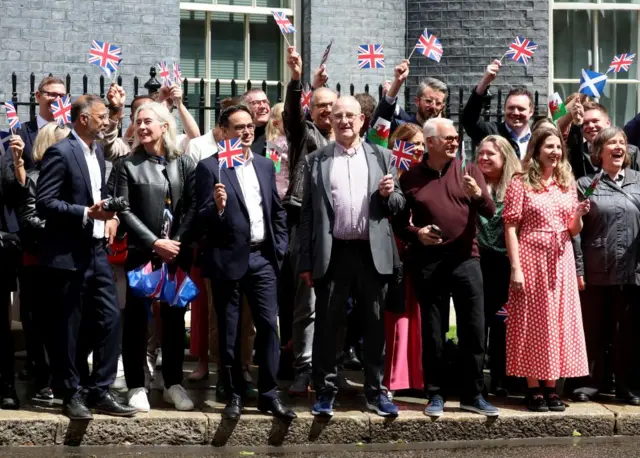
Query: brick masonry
{"type": "Point", "coordinates": [473, 33]}
{"type": "Point", "coordinates": [350, 24]}
{"type": "Point", "coordinates": [43, 36]}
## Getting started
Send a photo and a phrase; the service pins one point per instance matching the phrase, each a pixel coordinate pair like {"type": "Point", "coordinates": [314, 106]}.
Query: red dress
{"type": "Point", "coordinates": [545, 338]}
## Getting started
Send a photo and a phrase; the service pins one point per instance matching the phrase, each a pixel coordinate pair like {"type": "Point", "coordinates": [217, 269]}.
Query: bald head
{"type": "Point", "coordinates": [347, 120]}
{"type": "Point", "coordinates": [322, 102]}
{"type": "Point", "coordinates": [347, 102]}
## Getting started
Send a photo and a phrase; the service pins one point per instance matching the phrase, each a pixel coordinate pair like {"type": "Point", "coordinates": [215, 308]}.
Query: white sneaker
{"type": "Point", "coordinates": [137, 397]}
{"type": "Point", "coordinates": [177, 396]}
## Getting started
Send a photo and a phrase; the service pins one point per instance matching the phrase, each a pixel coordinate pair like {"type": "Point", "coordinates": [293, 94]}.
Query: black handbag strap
{"type": "Point", "coordinates": [619, 188]}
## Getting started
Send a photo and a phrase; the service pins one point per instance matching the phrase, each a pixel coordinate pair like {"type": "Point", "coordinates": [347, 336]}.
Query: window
{"type": "Point", "coordinates": [229, 40]}
{"type": "Point", "coordinates": [588, 34]}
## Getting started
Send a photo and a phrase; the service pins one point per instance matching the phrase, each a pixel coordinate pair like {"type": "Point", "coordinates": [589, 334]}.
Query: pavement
{"type": "Point", "coordinates": [39, 424]}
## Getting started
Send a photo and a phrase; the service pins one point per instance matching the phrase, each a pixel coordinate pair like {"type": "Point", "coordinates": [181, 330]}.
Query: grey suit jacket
{"type": "Point", "coordinates": [316, 217]}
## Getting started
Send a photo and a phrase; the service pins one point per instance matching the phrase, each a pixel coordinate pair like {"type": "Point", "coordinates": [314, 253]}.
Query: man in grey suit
{"type": "Point", "coordinates": [346, 249]}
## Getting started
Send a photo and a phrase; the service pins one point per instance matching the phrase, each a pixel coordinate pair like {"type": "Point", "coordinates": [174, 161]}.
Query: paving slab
{"type": "Point", "coordinates": [25, 427]}
{"type": "Point", "coordinates": [627, 418]}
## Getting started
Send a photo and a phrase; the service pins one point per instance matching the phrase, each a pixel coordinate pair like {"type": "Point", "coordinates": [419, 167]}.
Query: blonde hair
{"type": "Point", "coordinates": [50, 134]}
{"type": "Point", "coordinates": [162, 115]}
{"type": "Point", "coordinates": [532, 169]}
{"type": "Point", "coordinates": [511, 164]}
{"type": "Point", "coordinates": [272, 131]}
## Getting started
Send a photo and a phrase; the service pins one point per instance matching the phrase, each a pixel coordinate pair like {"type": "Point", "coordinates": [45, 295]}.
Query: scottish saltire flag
{"type": "Point", "coordinates": [621, 62]}
{"type": "Point", "coordinates": [61, 110]}
{"type": "Point", "coordinates": [429, 46]}
{"type": "Point", "coordinates": [402, 155]}
{"type": "Point", "coordinates": [106, 56]}
{"type": "Point", "coordinates": [177, 73]}
{"type": "Point", "coordinates": [283, 22]}
{"type": "Point", "coordinates": [325, 54]}
{"type": "Point", "coordinates": [305, 100]}
{"type": "Point", "coordinates": [230, 153]}
{"type": "Point", "coordinates": [164, 74]}
{"type": "Point", "coordinates": [12, 115]}
{"type": "Point", "coordinates": [592, 83]}
{"type": "Point", "coordinates": [521, 50]}
{"type": "Point", "coordinates": [370, 56]}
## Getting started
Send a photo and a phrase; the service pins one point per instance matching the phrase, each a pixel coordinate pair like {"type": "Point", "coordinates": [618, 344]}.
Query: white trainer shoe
{"type": "Point", "coordinates": [177, 396]}
{"type": "Point", "coordinates": [137, 397]}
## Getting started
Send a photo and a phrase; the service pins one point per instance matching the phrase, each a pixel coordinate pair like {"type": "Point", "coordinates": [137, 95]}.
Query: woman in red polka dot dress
{"type": "Point", "coordinates": [545, 339]}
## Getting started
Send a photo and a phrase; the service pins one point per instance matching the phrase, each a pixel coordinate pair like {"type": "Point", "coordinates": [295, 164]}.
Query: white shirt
{"type": "Point", "coordinates": [41, 122]}
{"type": "Point", "coordinates": [202, 147]}
{"type": "Point", "coordinates": [522, 141]}
{"type": "Point", "coordinates": [96, 184]}
{"type": "Point", "coordinates": [252, 197]}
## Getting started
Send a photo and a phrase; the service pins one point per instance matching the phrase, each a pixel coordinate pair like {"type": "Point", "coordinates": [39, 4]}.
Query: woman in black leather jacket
{"type": "Point", "coordinates": [156, 180]}
{"type": "Point", "coordinates": [33, 301]}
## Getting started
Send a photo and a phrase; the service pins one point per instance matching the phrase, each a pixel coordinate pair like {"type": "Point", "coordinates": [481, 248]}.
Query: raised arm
{"type": "Point", "coordinates": [472, 120]}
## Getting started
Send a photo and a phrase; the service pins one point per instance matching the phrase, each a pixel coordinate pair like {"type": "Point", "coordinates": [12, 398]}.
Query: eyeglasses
{"type": "Point", "coordinates": [53, 95]}
{"type": "Point", "coordinates": [340, 116]}
{"type": "Point", "coordinates": [323, 105]}
{"type": "Point", "coordinates": [241, 127]}
{"type": "Point", "coordinates": [255, 103]}
{"type": "Point", "coordinates": [435, 103]}
{"type": "Point", "coordinates": [100, 117]}
{"type": "Point", "coordinates": [450, 138]}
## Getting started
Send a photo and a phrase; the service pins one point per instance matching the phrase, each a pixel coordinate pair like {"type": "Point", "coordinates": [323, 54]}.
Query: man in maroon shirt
{"type": "Point", "coordinates": [444, 196]}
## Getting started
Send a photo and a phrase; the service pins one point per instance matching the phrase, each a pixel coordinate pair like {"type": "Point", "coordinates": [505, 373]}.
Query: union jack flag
{"type": "Point", "coordinates": [428, 45]}
{"type": "Point", "coordinates": [521, 50]}
{"type": "Point", "coordinates": [12, 115]}
{"type": "Point", "coordinates": [164, 74]}
{"type": "Point", "coordinates": [402, 155]}
{"type": "Point", "coordinates": [105, 55]}
{"type": "Point", "coordinates": [370, 56]}
{"type": "Point", "coordinates": [177, 73]}
{"type": "Point", "coordinates": [230, 153]}
{"type": "Point", "coordinates": [503, 313]}
{"type": "Point", "coordinates": [283, 22]}
{"type": "Point", "coordinates": [306, 99]}
{"type": "Point", "coordinates": [325, 54]}
{"type": "Point", "coordinates": [61, 110]}
{"type": "Point", "coordinates": [621, 62]}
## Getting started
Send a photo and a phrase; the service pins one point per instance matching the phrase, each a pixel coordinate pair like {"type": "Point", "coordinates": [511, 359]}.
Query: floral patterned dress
{"type": "Point", "coordinates": [545, 338]}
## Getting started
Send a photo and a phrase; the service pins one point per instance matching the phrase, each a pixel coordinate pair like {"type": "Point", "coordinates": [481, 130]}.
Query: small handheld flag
{"type": "Point", "coordinates": [283, 22]}
{"type": "Point", "coordinates": [379, 133]}
{"type": "Point", "coordinates": [370, 56]}
{"type": "Point", "coordinates": [274, 152]}
{"type": "Point", "coordinates": [61, 110]}
{"type": "Point", "coordinates": [165, 75]}
{"type": "Point", "coordinates": [230, 153]}
{"type": "Point", "coordinates": [106, 56]}
{"type": "Point", "coordinates": [621, 62]}
{"type": "Point", "coordinates": [305, 101]}
{"type": "Point", "coordinates": [592, 187]}
{"type": "Point", "coordinates": [521, 50]}
{"type": "Point", "coordinates": [429, 46]}
{"type": "Point", "coordinates": [592, 83]}
{"type": "Point", "coordinates": [12, 115]}
{"type": "Point", "coordinates": [556, 107]}
{"type": "Point", "coordinates": [325, 54]}
{"type": "Point", "coordinates": [177, 73]}
{"type": "Point", "coordinates": [402, 155]}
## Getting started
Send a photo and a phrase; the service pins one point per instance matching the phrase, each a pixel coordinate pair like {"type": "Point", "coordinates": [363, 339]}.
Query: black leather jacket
{"type": "Point", "coordinates": [31, 225]}
{"type": "Point", "coordinates": [144, 181]}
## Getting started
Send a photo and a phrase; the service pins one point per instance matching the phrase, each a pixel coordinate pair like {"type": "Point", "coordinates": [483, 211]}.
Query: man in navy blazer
{"type": "Point", "coordinates": [245, 225]}
{"type": "Point", "coordinates": [84, 308]}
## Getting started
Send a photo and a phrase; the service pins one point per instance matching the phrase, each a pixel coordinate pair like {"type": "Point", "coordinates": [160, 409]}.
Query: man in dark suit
{"type": "Point", "coordinates": [240, 211]}
{"type": "Point", "coordinates": [518, 109]}
{"type": "Point", "coordinates": [85, 313]}
{"type": "Point", "coordinates": [346, 249]}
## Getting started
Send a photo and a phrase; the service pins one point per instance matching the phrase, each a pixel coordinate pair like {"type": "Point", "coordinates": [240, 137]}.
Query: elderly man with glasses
{"type": "Point", "coordinates": [444, 197]}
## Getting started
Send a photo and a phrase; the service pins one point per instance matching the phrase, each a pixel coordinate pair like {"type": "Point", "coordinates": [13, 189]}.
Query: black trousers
{"type": "Point", "coordinates": [35, 318]}
{"type": "Point", "coordinates": [611, 319]}
{"type": "Point", "coordinates": [86, 318]}
{"type": "Point", "coordinates": [436, 278]}
{"type": "Point", "coordinates": [351, 273]}
{"type": "Point", "coordinates": [259, 285]}
{"type": "Point", "coordinates": [7, 359]}
{"type": "Point", "coordinates": [496, 274]}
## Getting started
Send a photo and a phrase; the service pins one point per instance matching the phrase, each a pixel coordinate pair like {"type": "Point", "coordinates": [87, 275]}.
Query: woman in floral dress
{"type": "Point", "coordinates": [545, 339]}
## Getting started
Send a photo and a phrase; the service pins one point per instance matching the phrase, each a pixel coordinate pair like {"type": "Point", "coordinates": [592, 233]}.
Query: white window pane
{"type": "Point", "coordinates": [265, 49]}
{"type": "Point", "coordinates": [192, 44]}
{"type": "Point", "coordinates": [572, 42]}
{"type": "Point", "coordinates": [617, 33]}
{"type": "Point", "coordinates": [227, 46]}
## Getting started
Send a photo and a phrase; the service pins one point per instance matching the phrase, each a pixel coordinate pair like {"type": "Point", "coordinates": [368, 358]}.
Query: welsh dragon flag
{"type": "Point", "coordinates": [556, 106]}
{"type": "Point", "coordinates": [379, 133]}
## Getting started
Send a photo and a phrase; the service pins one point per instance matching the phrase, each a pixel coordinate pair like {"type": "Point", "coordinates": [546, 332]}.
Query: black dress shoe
{"type": "Point", "coordinates": [10, 399]}
{"type": "Point", "coordinates": [351, 360]}
{"type": "Point", "coordinates": [276, 407]}
{"type": "Point", "coordinates": [109, 406]}
{"type": "Point", "coordinates": [580, 397]}
{"type": "Point", "coordinates": [629, 398]}
{"type": "Point", "coordinates": [233, 409]}
{"type": "Point", "coordinates": [76, 409]}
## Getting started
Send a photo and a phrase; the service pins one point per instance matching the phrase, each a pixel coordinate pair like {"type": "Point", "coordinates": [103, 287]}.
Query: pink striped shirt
{"type": "Point", "coordinates": [350, 193]}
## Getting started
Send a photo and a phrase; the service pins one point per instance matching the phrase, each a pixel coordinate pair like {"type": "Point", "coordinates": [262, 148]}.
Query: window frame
{"type": "Point", "coordinates": [597, 6]}
{"type": "Point", "coordinates": [246, 11]}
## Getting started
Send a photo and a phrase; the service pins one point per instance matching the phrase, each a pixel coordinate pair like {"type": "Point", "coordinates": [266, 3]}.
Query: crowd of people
{"type": "Point", "coordinates": [318, 255]}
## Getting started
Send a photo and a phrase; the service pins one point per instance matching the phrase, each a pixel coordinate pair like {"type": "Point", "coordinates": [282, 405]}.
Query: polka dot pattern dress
{"type": "Point", "coordinates": [545, 339]}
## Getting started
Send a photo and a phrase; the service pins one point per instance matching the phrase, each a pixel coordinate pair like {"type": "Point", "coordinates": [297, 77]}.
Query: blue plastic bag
{"type": "Point", "coordinates": [146, 282]}
{"type": "Point", "coordinates": [177, 288]}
